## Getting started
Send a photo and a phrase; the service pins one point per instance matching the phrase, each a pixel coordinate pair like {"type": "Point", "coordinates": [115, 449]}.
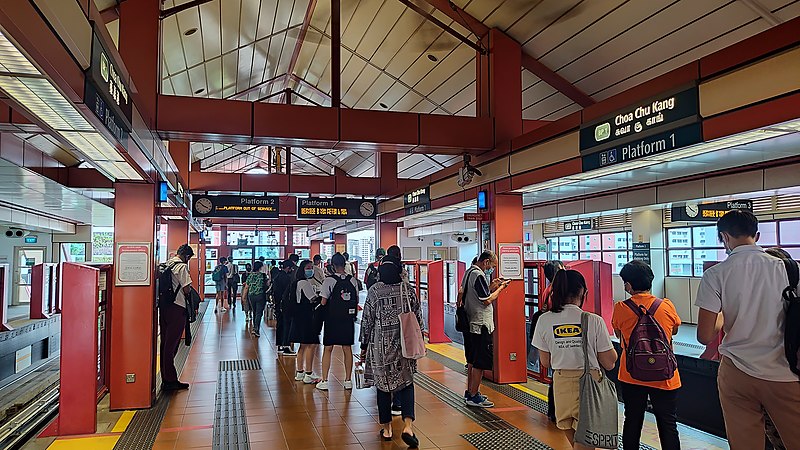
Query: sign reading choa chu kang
{"type": "Point", "coordinates": [336, 208]}
{"type": "Point", "coordinates": [235, 206]}
{"type": "Point", "coordinates": [417, 201]}
{"type": "Point", "coordinates": [107, 93]}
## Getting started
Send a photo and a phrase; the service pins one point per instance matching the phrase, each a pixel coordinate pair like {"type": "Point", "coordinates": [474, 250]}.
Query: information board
{"type": "Point", "coordinates": [708, 212]}
{"type": "Point", "coordinates": [641, 251]}
{"type": "Point", "coordinates": [264, 207]}
{"type": "Point", "coordinates": [417, 201]}
{"type": "Point", "coordinates": [509, 261]}
{"type": "Point", "coordinates": [132, 264]}
{"type": "Point", "coordinates": [336, 208]}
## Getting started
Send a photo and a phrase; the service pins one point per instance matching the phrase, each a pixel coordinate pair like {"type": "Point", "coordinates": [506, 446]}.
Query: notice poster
{"type": "Point", "coordinates": [132, 264]}
{"type": "Point", "coordinates": [510, 263]}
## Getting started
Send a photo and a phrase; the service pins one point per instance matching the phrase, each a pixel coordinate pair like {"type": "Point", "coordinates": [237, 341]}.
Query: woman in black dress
{"type": "Point", "coordinates": [304, 298]}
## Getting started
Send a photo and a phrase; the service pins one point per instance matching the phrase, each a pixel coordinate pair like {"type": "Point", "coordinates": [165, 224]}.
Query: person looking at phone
{"type": "Point", "coordinates": [479, 295]}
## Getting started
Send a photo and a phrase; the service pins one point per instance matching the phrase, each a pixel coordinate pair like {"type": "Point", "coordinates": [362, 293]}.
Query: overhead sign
{"type": "Point", "coordinates": [265, 207]}
{"type": "Point", "coordinates": [708, 212]}
{"type": "Point", "coordinates": [172, 211]}
{"type": "Point", "coordinates": [336, 208]}
{"type": "Point", "coordinates": [417, 201]}
{"type": "Point", "coordinates": [641, 252]}
{"type": "Point", "coordinates": [476, 217]}
{"type": "Point", "coordinates": [580, 224]}
{"type": "Point", "coordinates": [645, 147]}
{"type": "Point", "coordinates": [31, 239]}
{"type": "Point", "coordinates": [509, 262]}
{"type": "Point", "coordinates": [107, 94]}
{"type": "Point", "coordinates": [642, 119]}
{"type": "Point", "coordinates": [132, 264]}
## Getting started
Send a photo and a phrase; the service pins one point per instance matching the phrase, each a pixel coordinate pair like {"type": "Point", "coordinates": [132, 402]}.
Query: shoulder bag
{"type": "Point", "coordinates": [597, 422]}
{"type": "Point", "coordinates": [411, 341]}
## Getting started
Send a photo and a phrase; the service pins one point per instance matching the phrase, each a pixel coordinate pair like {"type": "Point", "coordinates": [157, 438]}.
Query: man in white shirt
{"type": "Point", "coordinates": [746, 290]}
{"type": "Point", "coordinates": [172, 317]}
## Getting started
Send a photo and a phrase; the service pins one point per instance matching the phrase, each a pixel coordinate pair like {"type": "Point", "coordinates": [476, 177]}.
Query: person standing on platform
{"type": "Point", "coordinates": [371, 274]}
{"type": "Point", "coordinates": [340, 299]}
{"type": "Point", "coordinates": [478, 342]}
{"type": "Point", "coordinates": [281, 284]}
{"type": "Point", "coordinates": [172, 317]}
{"type": "Point", "coordinates": [304, 298]}
{"type": "Point", "coordinates": [248, 269]}
{"type": "Point", "coordinates": [550, 269]}
{"type": "Point", "coordinates": [256, 291]}
{"type": "Point", "coordinates": [319, 271]}
{"type": "Point", "coordinates": [394, 252]}
{"type": "Point", "coordinates": [228, 276]}
{"type": "Point", "coordinates": [220, 278]}
{"type": "Point", "coordinates": [384, 364]}
{"type": "Point", "coordinates": [233, 284]}
{"type": "Point", "coordinates": [662, 394]}
{"type": "Point", "coordinates": [754, 375]}
{"type": "Point", "coordinates": [348, 265]}
{"type": "Point", "coordinates": [560, 347]}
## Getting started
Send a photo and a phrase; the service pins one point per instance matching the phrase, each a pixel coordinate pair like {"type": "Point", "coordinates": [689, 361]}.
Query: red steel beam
{"type": "Point", "coordinates": [555, 80]}
{"type": "Point", "coordinates": [312, 4]}
{"type": "Point", "coordinates": [461, 17]}
{"type": "Point", "coordinates": [336, 53]}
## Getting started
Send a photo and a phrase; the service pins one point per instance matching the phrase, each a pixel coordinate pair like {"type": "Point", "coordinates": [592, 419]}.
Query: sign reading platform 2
{"type": "Point", "coordinates": [336, 208]}
{"type": "Point", "coordinates": [235, 206]}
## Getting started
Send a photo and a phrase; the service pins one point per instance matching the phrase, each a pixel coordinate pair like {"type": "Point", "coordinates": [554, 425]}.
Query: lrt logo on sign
{"type": "Point", "coordinates": [602, 132]}
{"type": "Point", "coordinates": [567, 331]}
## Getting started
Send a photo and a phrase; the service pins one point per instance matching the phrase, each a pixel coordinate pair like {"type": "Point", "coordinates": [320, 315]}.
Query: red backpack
{"type": "Point", "coordinates": [648, 353]}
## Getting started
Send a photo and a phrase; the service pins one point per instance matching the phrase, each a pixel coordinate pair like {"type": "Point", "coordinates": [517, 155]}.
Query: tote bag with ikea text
{"type": "Point", "coordinates": [597, 421]}
{"type": "Point", "coordinates": [411, 341]}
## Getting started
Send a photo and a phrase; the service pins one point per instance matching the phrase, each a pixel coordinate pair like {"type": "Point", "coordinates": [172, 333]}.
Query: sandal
{"type": "Point", "coordinates": [384, 436]}
{"type": "Point", "coordinates": [410, 440]}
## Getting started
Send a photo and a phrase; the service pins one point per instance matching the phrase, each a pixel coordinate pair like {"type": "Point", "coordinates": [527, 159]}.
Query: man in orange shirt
{"type": "Point", "coordinates": [638, 279]}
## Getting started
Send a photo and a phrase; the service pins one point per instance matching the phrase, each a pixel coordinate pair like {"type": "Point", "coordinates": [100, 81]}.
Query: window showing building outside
{"type": "Point", "coordinates": [361, 247]}
{"type": "Point", "coordinates": [688, 248]}
{"type": "Point", "coordinates": [102, 244]}
{"type": "Point", "coordinates": [613, 248]}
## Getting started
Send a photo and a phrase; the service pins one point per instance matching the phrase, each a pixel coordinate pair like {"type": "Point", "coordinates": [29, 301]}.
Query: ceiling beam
{"type": "Point", "coordinates": [530, 63]}
{"type": "Point", "coordinates": [476, 46]}
{"type": "Point", "coordinates": [301, 37]}
{"type": "Point", "coordinates": [109, 14]}
{"type": "Point", "coordinates": [175, 10]}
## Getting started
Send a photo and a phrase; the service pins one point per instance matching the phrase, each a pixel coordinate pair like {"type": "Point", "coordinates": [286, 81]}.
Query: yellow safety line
{"type": "Point", "coordinates": [123, 422]}
{"type": "Point", "coordinates": [94, 443]}
{"type": "Point", "coordinates": [455, 354]}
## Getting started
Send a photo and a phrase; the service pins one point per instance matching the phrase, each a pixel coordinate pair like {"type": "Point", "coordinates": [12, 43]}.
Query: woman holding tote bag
{"type": "Point", "coordinates": [577, 346]}
{"type": "Point", "coordinates": [385, 365]}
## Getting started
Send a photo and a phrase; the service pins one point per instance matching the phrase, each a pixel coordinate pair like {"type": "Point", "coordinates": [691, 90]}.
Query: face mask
{"type": "Point", "coordinates": [309, 273]}
{"type": "Point", "coordinates": [490, 271]}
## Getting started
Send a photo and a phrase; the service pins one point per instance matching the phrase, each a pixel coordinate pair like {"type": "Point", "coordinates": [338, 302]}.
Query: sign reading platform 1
{"type": "Point", "coordinates": [417, 201]}
{"type": "Point", "coordinates": [336, 208]}
{"type": "Point", "coordinates": [107, 93]}
{"type": "Point", "coordinates": [235, 206]}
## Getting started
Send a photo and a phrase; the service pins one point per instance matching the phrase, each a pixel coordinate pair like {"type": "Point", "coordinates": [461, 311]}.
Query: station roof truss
{"type": "Point", "coordinates": [420, 56]}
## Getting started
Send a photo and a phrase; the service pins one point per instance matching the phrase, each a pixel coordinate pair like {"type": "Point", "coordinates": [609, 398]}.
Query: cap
{"type": "Point", "coordinates": [380, 252]}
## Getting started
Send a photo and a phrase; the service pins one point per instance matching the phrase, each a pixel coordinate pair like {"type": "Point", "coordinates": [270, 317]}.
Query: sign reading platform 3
{"type": "Point", "coordinates": [235, 206]}
{"type": "Point", "coordinates": [336, 208]}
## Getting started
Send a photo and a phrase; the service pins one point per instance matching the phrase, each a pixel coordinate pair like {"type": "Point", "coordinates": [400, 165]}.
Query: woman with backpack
{"type": "Point", "coordinates": [303, 299]}
{"type": "Point", "coordinates": [257, 293]}
{"type": "Point", "coordinates": [558, 336]}
{"type": "Point", "coordinates": [220, 278]}
{"type": "Point", "coordinates": [647, 369]}
{"type": "Point", "coordinates": [384, 364]}
{"type": "Point", "coordinates": [340, 302]}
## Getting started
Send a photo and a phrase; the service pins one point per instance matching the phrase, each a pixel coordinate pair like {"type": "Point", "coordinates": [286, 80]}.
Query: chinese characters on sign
{"type": "Point", "coordinates": [417, 201]}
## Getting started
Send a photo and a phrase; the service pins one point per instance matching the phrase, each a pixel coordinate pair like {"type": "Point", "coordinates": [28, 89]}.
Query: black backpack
{"type": "Point", "coordinates": [166, 294]}
{"type": "Point", "coordinates": [344, 288]}
{"type": "Point", "coordinates": [792, 324]}
{"type": "Point", "coordinates": [372, 275]}
{"type": "Point", "coordinates": [462, 318]}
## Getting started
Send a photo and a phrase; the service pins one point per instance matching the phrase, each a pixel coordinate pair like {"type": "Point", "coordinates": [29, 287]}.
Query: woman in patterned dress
{"type": "Point", "coordinates": [385, 367]}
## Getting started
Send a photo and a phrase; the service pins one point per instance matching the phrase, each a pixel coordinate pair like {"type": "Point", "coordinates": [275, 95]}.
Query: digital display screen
{"type": "Point", "coordinates": [482, 200]}
{"type": "Point", "coordinates": [437, 243]}
{"type": "Point", "coordinates": [163, 191]}
{"type": "Point", "coordinates": [335, 208]}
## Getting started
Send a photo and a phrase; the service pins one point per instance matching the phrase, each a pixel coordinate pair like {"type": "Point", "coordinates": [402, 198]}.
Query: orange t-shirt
{"type": "Point", "coordinates": [624, 320]}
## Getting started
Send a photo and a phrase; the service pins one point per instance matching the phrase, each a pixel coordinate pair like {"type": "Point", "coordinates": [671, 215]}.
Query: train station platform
{"type": "Point", "coordinates": [243, 395]}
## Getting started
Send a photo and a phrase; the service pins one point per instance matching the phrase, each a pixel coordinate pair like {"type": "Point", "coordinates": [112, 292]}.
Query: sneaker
{"type": "Point", "coordinates": [224, 310]}
{"type": "Point", "coordinates": [397, 412]}
{"type": "Point", "coordinates": [298, 376]}
{"type": "Point", "coordinates": [479, 401]}
{"type": "Point", "coordinates": [174, 386]}
{"type": "Point", "coordinates": [322, 385]}
{"type": "Point", "coordinates": [256, 334]}
{"type": "Point", "coordinates": [287, 351]}
{"type": "Point", "coordinates": [348, 385]}
{"type": "Point", "coordinates": [312, 378]}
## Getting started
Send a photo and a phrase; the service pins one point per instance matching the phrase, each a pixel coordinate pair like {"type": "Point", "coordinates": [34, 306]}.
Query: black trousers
{"type": "Point", "coordinates": [283, 322]}
{"type": "Point", "coordinates": [172, 320]}
{"type": "Point", "coordinates": [406, 398]}
{"type": "Point", "coordinates": [233, 289]}
{"type": "Point", "coordinates": [665, 405]}
{"type": "Point", "coordinates": [259, 302]}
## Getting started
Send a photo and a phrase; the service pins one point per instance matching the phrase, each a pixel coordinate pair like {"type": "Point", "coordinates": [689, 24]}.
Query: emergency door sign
{"type": "Point", "coordinates": [132, 264]}
{"type": "Point", "coordinates": [510, 261]}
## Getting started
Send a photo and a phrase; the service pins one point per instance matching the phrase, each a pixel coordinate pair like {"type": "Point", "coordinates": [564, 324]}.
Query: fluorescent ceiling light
{"type": "Point", "coordinates": [28, 87]}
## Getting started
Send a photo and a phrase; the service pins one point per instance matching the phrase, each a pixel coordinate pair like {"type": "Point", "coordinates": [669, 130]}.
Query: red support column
{"type": "Point", "coordinates": [197, 265]}
{"type": "Point", "coordinates": [289, 241]}
{"type": "Point", "coordinates": [387, 234]}
{"type": "Point", "coordinates": [223, 249]}
{"type": "Point", "coordinates": [336, 54]}
{"type": "Point", "coordinates": [139, 47]}
{"type": "Point", "coordinates": [179, 150]}
{"type": "Point", "coordinates": [133, 320]}
{"type": "Point", "coordinates": [387, 171]}
{"type": "Point", "coordinates": [339, 243]}
{"type": "Point", "coordinates": [316, 248]}
{"type": "Point", "coordinates": [177, 235]}
{"type": "Point", "coordinates": [510, 347]}
{"type": "Point", "coordinates": [499, 85]}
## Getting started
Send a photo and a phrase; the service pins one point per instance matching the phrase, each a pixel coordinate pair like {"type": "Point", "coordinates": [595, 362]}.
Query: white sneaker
{"type": "Point", "coordinates": [348, 385]}
{"type": "Point", "coordinates": [311, 378]}
{"type": "Point", "coordinates": [322, 385]}
{"type": "Point", "coordinates": [299, 376]}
